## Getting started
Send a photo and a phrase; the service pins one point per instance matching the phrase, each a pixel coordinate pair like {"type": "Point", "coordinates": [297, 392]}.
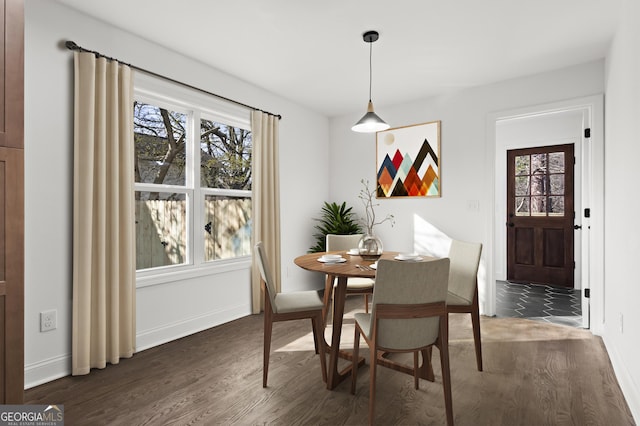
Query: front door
{"type": "Point", "coordinates": [540, 215]}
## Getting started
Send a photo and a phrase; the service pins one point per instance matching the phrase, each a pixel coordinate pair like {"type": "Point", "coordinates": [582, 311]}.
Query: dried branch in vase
{"type": "Point", "coordinates": [367, 197]}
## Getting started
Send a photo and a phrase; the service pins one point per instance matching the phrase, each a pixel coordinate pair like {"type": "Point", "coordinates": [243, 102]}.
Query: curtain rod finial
{"type": "Point", "coordinates": [71, 45]}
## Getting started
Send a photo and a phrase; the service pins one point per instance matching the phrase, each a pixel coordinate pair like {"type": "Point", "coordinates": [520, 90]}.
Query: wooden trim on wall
{"type": "Point", "coordinates": [12, 205]}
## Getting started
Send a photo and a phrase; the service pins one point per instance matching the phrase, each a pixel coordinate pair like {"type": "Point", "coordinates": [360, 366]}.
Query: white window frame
{"type": "Point", "coordinates": [196, 105]}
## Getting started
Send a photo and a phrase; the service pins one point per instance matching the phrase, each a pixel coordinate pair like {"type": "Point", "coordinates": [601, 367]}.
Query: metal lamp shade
{"type": "Point", "coordinates": [370, 122]}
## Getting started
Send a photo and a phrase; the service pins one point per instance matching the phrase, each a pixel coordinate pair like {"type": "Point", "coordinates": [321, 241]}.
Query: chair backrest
{"type": "Point", "coordinates": [409, 283]}
{"type": "Point", "coordinates": [465, 260]}
{"type": "Point", "coordinates": [265, 272]}
{"type": "Point", "coordinates": [335, 242]}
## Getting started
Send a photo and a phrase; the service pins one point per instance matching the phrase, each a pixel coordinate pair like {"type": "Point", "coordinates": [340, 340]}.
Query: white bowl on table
{"type": "Point", "coordinates": [331, 258]}
{"type": "Point", "coordinates": [408, 256]}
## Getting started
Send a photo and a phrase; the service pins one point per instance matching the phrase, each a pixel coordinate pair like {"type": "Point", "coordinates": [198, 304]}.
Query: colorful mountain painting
{"type": "Point", "coordinates": [401, 175]}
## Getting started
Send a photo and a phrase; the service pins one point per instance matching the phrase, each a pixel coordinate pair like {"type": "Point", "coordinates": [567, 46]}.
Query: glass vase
{"type": "Point", "coordinates": [370, 247]}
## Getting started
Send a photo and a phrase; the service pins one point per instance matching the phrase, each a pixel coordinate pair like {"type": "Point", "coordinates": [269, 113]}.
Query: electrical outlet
{"type": "Point", "coordinates": [48, 320]}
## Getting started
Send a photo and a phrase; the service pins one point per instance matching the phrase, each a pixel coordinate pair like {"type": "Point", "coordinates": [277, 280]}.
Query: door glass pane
{"type": "Point", "coordinates": [538, 206]}
{"type": "Point", "coordinates": [522, 185]}
{"type": "Point", "coordinates": [161, 225]}
{"type": "Point", "coordinates": [538, 184]}
{"type": "Point", "coordinates": [538, 163]}
{"type": "Point", "coordinates": [160, 149]}
{"type": "Point", "coordinates": [522, 206]}
{"type": "Point", "coordinates": [522, 165]}
{"type": "Point", "coordinates": [556, 206]}
{"type": "Point", "coordinates": [556, 184]}
{"type": "Point", "coordinates": [556, 162]}
{"type": "Point", "coordinates": [227, 229]}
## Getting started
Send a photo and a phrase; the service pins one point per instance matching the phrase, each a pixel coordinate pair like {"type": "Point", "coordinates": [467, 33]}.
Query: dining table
{"type": "Point", "coordinates": [339, 272]}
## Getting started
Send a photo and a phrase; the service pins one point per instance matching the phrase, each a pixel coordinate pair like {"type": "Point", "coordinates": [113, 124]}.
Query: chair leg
{"type": "Point", "coordinates": [415, 369]}
{"type": "Point", "coordinates": [318, 331]}
{"type": "Point", "coordinates": [366, 303]}
{"type": "Point", "coordinates": [475, 322]}
{"type": "Point", "coordinates": [354, 363]}
{"type": "Point", "coordinates": [444, 363]}
{"type": "Point", "coordinates": [372, 380]}
{"type": "Point", "coordinates": [268, 326]}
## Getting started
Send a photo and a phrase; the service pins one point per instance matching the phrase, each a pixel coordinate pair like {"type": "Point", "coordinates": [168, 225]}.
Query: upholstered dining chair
{"type": "Point", "coordinates": [357, 286]}
{"type": "Point", "coordinates": [463, 287]}
{"type": "Point", "coordinates": [409, 314]}
{"type": "Point", "coordinates": [285, 307]}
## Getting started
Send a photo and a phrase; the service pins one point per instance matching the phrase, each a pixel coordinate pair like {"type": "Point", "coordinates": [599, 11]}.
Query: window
{"type": "Point", "coordinates": [192, 179]}
{"type": "Point", "coordinates": [540, 184]}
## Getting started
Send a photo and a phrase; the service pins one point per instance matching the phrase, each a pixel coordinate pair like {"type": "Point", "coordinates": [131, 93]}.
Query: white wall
{"type": "Point", "coordinates": [467, 158]}
{"type": "Point", "coordinates": [169, 310]}
{"type": "Point", "coordinates": [622, 244]}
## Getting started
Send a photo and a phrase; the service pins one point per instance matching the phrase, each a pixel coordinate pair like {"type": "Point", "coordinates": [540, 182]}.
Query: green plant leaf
{"type": "Point", "coordinates": [335, 219]}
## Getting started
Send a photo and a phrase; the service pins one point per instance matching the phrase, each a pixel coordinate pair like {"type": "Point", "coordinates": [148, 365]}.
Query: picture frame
{"type": "Point", "coordinates": [408, 161]}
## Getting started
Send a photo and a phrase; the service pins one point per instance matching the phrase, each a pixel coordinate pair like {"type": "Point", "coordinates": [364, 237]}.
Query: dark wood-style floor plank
{"type": "Point", "coordinates": [535, 374]}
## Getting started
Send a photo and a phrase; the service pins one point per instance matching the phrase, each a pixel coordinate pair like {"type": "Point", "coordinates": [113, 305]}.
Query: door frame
{"type": "Point", "coordinates": [592, 194]}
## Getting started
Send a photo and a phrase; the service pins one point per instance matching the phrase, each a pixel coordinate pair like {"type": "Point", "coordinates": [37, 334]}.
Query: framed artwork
{"type": "Point", "coordinates": [408, 161]}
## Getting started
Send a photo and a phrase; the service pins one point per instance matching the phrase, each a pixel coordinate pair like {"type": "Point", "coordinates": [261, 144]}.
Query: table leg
{"type": "Point", "coordinates": [328, 293]}
{"type": "Point", "coordinates": [334, 377]}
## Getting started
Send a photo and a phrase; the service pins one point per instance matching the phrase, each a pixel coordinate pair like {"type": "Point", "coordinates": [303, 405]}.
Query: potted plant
{"type": "Point", "coordinates": [335, 219]}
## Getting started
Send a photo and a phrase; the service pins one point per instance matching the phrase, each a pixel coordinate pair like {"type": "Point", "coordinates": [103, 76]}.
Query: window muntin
{"type": "Point", "coordinates": [210, 221]}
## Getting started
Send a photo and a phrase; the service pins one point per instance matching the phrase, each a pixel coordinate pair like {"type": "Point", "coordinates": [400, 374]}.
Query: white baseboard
{"type": "Point", "coordinates": [54, 368]}
{"type": "Point", "coordinates": [157, 336]}
{"type": "Point", "coordinates": [46, 371]}
{"type": "Point", "coordinates": [628, 386]}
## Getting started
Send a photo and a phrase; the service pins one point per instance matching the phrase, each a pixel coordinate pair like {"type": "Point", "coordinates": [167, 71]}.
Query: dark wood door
{"type": "Point", "coordinates": [540, 215]}
{"type": "Point", "coordinates": [11, 202]}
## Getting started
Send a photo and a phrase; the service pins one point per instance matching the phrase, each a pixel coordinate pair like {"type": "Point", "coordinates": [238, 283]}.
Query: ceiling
{"type": "Point", "coordinates": [312, 52]}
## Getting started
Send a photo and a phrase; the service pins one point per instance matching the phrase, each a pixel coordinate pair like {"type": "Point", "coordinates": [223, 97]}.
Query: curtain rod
{"type": "Point", "coordinates": [71, 45]}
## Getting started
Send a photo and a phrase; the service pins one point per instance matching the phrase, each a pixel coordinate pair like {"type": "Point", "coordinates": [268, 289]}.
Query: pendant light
{"type": "Point", "coordinates": [370, 122]}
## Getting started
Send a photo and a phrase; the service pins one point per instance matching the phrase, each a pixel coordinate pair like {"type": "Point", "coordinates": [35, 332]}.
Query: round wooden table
{"type": "Point", "coordinates": [355, 266]}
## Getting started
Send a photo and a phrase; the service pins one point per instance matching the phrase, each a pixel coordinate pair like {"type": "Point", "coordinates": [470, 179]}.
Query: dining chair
{"type": "Point", "coordinates": [409, 314]}
{"type": "Point", "coordinates": [355, 286]}
{"type": "Point", "coordinates": [288, 306]}
{"type": "Point", "coordinates": [463, 287]}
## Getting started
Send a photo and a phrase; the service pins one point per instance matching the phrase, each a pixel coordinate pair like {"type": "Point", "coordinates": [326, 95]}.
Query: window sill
{"type": "Point", "coordinates": [179, 273]}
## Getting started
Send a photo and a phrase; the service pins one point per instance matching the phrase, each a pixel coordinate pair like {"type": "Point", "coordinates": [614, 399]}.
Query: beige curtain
{"type": "Point", "coordinates": [266, 198]}
{"type": "Point", "coordinates": [103, 214]}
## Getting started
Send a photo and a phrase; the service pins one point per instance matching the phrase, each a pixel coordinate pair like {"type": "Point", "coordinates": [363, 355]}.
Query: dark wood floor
{"type": "Point", "coordinates": [535, 374]}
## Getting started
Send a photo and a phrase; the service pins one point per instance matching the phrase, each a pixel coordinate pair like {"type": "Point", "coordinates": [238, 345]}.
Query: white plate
{"type": "Point", "coordinates": [410, 259]}
{"type": "Point", "coordinates": [338, 260]}
{"type": "Point", "coordinates": [353, 252]}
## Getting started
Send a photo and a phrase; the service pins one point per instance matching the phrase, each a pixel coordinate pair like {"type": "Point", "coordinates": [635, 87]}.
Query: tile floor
{"type": "Point", "coordinates": [539, 302]}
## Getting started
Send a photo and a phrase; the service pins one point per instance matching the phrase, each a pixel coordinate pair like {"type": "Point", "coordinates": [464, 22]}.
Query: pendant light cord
{"type": "Point", "coordinates": [370, 68]}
